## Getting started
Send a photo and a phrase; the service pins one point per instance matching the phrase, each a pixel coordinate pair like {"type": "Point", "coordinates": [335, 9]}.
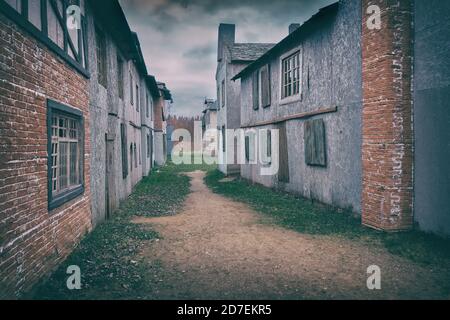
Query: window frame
{"type": "Point", "coordinates": [55, 201]}
{"type": "Point", "coordinates": [298, 96]}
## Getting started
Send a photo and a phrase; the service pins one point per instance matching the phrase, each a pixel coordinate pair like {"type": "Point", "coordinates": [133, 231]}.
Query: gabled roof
{"type": "Point", "coordinates": [164, 91]}
{"type": "Point", "coordinates": [248, 51]}
{"type": "Point", "coordinates": [294, 37]}
{"type": "Point", "coordinates": [210, 104]}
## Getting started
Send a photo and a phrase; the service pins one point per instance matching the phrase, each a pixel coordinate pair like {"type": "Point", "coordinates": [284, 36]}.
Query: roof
{"type": "Point", "coordinates": [153, 86]}
{"type": "Point", "coordinates": [210, 104]}
{"type": "Point", "coordinates": [164, 91]}
{"type": "Point", "coordinates": [248, 51]}
{"type": "Point", "coordinates": [312, 24]}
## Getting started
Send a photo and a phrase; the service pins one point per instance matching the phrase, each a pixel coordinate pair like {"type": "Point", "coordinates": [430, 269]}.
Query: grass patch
{"type": "Point", "coordinates": [309, 217]}
{"type": "Point", "coordinates": [107, 257]}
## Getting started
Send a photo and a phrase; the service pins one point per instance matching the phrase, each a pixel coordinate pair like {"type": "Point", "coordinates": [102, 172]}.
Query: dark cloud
{"type": "Point", "coordinates": [179, 37]}
{"type": "Point", "coordinates": [199, 53]}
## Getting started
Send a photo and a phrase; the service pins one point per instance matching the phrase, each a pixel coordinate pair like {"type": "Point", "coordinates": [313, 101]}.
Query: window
{"type": "Point", "coordinates": [123, 141]}
{"type": "Point", "coordinates": [66, 153]}
{"type": "Point", "coordinates": [315, 150]}
{"type": "Point", "coordinates": [46, 21]}
{"type": "Point", "coordinates": [131, 89]}
{"type": "Point", "coordinates": [290, 76]}
{"type": "Point", "coordinates": [264, 77]}
{"type": "Point", "coordinates": [120, 76]}
{"type": "Point", "coordinates": [101, 57]}
{"type": "Point", "coordinates": [223, 138]}
{"type": "Point", "coordinates": [137, 98]}
{"type": "Point", "coordinates": [223, 94]}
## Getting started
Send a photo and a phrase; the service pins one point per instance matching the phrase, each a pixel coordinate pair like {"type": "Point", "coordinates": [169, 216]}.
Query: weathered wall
{"type": "Point", "coordinates": [32, 239]}
{"type": "Point", "coordinates": [98, 105]}
{"type": "Point", "coordinates": [332, 54]}
{"type": "Point", "coordinates": [432, 116]}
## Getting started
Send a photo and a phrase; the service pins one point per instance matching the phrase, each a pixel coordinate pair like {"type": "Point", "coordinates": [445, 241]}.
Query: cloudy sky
{"type": "Point", "coordinates": [179, 37]}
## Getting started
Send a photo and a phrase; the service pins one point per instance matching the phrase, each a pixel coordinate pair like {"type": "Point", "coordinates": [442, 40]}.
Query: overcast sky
{"type": "Point", "coordinates": [179, 38]}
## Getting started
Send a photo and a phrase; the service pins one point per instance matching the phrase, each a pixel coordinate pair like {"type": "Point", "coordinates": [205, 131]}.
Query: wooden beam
{"type": "Point", "coordinates": [301, 115]}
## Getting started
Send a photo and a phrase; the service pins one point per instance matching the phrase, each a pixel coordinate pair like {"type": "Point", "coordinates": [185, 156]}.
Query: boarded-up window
{"type": "Point", "coordinates": [265, 86]}
{"type": "Point", "coordinates": [247, 148]}
{"type": "Point", "coordinates": [255, 90]}
{"type": "Point", "coordinates": [131, 89]}
{"type": "Point", "coordinates": [131, 157]}
{"type": "Point", "coordinates": [315, 150]}
{"type": "Point", "coordinates": [101, 57]}
{"type": "Point", "coordinates": [120, 76]}
{"type": "Point", "coordinates": [147, 110]}
{"type": "Point", "coordinates": [223, 94]}
{"type": "Point", "coordinates": [123, 141]}
{"type": "Point", "coordinates": [283, 172]}
{"type": "Point", "coordinates": [138, 107]}
{"type": "Point", "coordinates": [223, 138]}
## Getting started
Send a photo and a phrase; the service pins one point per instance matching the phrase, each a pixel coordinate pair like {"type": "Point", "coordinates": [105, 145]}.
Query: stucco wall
{"type": "Point", "coordinates": [108, 111]}
{"type": "Point", "coordinates": [432, 116]}
{"type": "Point", "coordinates": [333, 56]}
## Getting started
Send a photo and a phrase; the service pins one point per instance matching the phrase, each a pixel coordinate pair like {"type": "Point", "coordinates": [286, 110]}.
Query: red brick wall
{"type": "Point", "coordinates": [387, 153]}
{"type": "Point", "coordinates": [32, 240]}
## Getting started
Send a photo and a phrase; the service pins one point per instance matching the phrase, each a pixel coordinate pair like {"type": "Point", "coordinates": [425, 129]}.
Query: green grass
{"type": "Point", "coordinates": [309, 217]}
{"type": "Point", "coordinates": [107, 257]}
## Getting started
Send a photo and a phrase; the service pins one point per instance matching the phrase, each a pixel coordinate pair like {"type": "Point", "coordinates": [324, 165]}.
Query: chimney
{"type": "Point", "coordinates": [293, 27]}
{"type": "Point", "coordinates": [226, 37]}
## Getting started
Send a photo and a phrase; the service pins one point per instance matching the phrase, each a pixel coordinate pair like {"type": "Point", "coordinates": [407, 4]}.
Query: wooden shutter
{"type": "Point", "coordinates": [315, 148]}
{"type": "Point", "coordinates": [283, 172]}
{"type": "Point", "coordinates": [123, 140]}
{"type": "Point", "coordinates": [255, 90]}
{"type": "Point", "coordinates": [223, 139]}
{"type": "Point", "coordinates": [247, 148]}
{"type": "Point", "coordinates": [265, 86]}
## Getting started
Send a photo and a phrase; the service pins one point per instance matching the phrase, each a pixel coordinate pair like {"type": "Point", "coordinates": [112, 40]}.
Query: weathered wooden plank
{"type": "Point", "coordinates": [296, 116]}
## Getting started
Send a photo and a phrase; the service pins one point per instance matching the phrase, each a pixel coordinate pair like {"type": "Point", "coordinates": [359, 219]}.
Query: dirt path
{"type": "Point", "coordinates": [217, 248]}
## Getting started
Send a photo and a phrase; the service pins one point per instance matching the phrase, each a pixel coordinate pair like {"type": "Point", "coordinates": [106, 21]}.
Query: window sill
{"type": "Point", "coordinates": [65, 197]}
{"type": "Point", "coordinates": [290, 100]}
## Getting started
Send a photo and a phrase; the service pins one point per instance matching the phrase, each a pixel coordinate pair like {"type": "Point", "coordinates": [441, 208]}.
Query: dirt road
{"type": "Point", "coordinates": [217, 248]}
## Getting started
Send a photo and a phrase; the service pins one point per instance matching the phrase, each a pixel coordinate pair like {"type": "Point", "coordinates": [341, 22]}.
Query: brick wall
{"type": "Point", "coordinates": [32, 240]}
{"type": "Point", "coordinates": [387, 150]}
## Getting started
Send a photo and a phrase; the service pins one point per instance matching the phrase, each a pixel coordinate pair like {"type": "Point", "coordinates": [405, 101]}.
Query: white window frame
{"type": "Point", "coordinates": [297, 97]}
